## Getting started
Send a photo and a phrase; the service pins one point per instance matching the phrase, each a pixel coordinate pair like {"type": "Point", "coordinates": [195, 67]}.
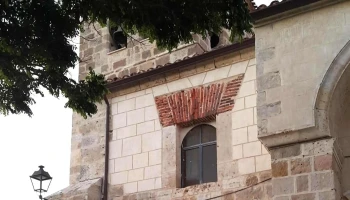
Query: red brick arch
{"type": "Point", "coordinates": [199, 104]}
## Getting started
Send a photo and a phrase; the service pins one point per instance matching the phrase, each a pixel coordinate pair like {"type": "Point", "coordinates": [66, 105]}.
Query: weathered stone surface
{"type": "Point", "coordinates": [300, 166]}
{"type": "Point", "coordinates": [311, 196]}
{"type": "Point", "coordinates": [323, 162]}
{"type": "Point", "coordinates": [269, 110]}
{"type": "Point", "coordinates": [119, 64]}
{"type": "Point", "coordinates": [279, 168]}
{"type": "Point", "coordinates": [322, 181]}
{"type": "Point", "coordinates": [282, 198]}
{"type": "Point", "coordinates": [90, 189]}
{"type": "Point", "coordinates": [282, 186]}
{"type": "Point", "coordinates": [328, 195]}
{"type": "Point", "coordinates": [251, 180]}
{"type": "Point", "coordinates": [286, 152]}
{"type": "Point", "coordinates": [302, 183]}
{"type": "Point", "coordinates": [269, 80]}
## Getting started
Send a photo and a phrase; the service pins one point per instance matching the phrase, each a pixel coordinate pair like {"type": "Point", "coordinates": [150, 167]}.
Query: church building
{"type": "Point", "coordinates": [265, 118]}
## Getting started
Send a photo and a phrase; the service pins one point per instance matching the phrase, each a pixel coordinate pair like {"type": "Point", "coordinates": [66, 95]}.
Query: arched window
{"type": "Point", "coordinates": [198, 156]}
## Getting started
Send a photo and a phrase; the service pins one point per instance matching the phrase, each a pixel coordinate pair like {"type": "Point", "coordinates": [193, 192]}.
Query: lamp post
{"type": "Point", "coordinates": [41, 181]}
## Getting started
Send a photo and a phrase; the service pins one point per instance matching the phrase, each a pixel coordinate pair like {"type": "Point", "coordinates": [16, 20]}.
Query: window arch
{"type": "Point", "coordinates": [198, 156]}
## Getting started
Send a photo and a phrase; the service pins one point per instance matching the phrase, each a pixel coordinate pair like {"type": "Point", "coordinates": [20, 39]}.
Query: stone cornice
{"type": "Point", "coordinates": [288, 9]}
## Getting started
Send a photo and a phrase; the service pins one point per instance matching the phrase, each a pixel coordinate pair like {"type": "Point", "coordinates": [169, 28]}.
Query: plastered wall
{"type": "Point", "coordinates": [293, 55]}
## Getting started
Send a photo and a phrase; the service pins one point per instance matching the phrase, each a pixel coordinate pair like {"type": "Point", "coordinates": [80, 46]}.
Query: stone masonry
{"type": "Point", "coordinates": [280, 109]}
{"type": "Point", "coordinates": [145, 155]}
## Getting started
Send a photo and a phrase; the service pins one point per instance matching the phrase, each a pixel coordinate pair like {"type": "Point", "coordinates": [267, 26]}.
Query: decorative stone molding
{"type": "Point", "coordinates": [196, 105]}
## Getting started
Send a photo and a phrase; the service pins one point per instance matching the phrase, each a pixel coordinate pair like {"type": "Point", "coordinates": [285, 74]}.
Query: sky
{"type": "Point", "coordinates": [43, 139]}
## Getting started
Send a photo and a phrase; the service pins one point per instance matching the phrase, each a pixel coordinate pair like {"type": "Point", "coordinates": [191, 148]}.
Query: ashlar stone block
{"type": "Point", "coordinates": [135, 94]}
{"type": "Point", "coordinates": [153, 171]}
{"type": "Point", "coordinates": [118, 99]}
{"type": "Point", "coordinates": [279, 168]}
{"type": "Point", "coordinates": [119, 178]}
{"type": "Point", "coordinates": [131, 145]}
{"type": "Point", "coordinates": [111, 166]}
{"type": "Point", "coordinates": [238, 68]}
{"type": "Point", "coordinates": [247, 89]}
{"type": "Point", "coordinates": [179, 85]}
{"type": "Point", "coordinates": [146, 185]}
{"type": "Point", "coordinates": [144, 101]}
{"type": "Point", "coordinates": [239, 104]}
{"type": "Point", "coordinates": [145, 127]}
{"type": "Point", "coordinates": [246, 165]}
{"type": "Point", "coordinates": [114, 108]}
{"type": "Point", "coordinates": [158, 183]}
{"type": "Point", "coordinates": [197, 79]}
{"type": "Point", "coordinates": [252, 133]}
{"type": "Point", "coordinates": [151, 141]}
{"type": "Point", "coordinates": [135, 175]}
{"type": "Point", "coordinates": [239, 136]}
{"type": "Point", "coordinates": [250, 74]}
{"type": "Point", "coordinates": [130, 188]}
{"type": "Point", "coordinates": [140, 160]}
{"type": "Point", "coordinates": [302, 183]}
{"type": "Point", "coordinates": [242, 118]}
{"type": "Point", "coordinates": [151, 113]}
{"type": "Point", "coordinates": [136, 116]}
{"type": "Point", "coordinates": [250, 101]}
{"type": "Point", "coordinates": [119, 120]}
{"type": "Point", "coordinates": [123, 164]}
{"type": "Point", "coordinates": [237, 152]}
{"type": "Point", "coordinates": [155, 157]}
{"type": "Point", "coordinates": [263, 162]}
{"type": "Point", "coordinates": [126, 105]}
{"type": "Point", "coordinates": [300, 166]}
{"type": "Point", "coordinates": [283, 186]}
{"type": "Point", "coordinates": [310, 196]}
{"type": "Point", "coordinates": [160, 90]}
{"type": "Point", "coordinates": [252, 149]}
{"type": "Point", "coordinates": [115, 149]}
{"type": "Point", "coordinates": [125, 132]}
{"type": "Point", "coordinates": [217, 74]}
{"type": "Point", "coordinates": [322, 181]}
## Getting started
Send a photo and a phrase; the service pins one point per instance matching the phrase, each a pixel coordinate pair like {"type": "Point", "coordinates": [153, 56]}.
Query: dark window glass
{"type": "Point", "coordinates": [192, 166]}
{"type": "Point", "coordinates": [209, 164]}
{"type": "Point", "coordinates": [208, 134]}
{"type": "Point", "coordinates": [192, 137]}
{"type": "Point", "coordinates": [199, 156]}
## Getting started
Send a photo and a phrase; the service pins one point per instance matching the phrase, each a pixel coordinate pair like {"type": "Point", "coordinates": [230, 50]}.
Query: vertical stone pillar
{"type": "Point", "coordinates": [306, 171]}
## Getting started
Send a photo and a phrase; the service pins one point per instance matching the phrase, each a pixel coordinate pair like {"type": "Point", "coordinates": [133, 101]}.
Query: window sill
{"type": "Point", "coordinates": [115, 51]}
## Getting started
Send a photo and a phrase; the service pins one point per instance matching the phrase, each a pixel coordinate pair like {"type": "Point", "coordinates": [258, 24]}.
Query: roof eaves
{"type": "Point", "coordinates": [277, 7]}
{"type": "Point", "coordinates": [112, 85]}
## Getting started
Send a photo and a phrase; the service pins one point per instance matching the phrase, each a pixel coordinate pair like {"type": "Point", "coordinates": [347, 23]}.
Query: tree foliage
{"type": "Point", "coordinates": [36, 52]}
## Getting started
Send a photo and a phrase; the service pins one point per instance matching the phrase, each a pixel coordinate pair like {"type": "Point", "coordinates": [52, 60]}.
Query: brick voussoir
{"type": "Point", "coordinates": [197, 105]}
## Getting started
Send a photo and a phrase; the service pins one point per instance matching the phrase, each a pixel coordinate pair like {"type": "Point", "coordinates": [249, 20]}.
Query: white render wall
{"type": "Point", "coordinates": [136, 146]}
{"type": "Point", "coordinates": [135, 152]}
{"type": "Point", "coordinates": [246, 148]}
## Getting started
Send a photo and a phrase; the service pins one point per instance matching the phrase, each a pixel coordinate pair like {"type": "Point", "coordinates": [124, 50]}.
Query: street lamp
{"type": "Point", "coordinates": [42, 179]}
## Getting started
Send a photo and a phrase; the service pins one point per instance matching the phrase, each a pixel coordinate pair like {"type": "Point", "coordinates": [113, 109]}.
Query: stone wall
{"type": "Point", "coordinates": [293, 55]}
{"type": "Point", "coordinates": [307, 171]}
{"type": "Point", "coordinates": [87, 190]}
{"type": "Point", "coordinates": [145, 156]}
{"type": "Point", "coordinates": [87, 150]}
{"type": "Point", "coordinates": [139, 55]}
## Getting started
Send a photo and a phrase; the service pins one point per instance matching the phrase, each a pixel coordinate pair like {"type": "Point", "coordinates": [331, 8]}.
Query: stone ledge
{"type": "Point", "coordinates": [90, 189]}
{"type": "Point", "coordinates": [294, 12]}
